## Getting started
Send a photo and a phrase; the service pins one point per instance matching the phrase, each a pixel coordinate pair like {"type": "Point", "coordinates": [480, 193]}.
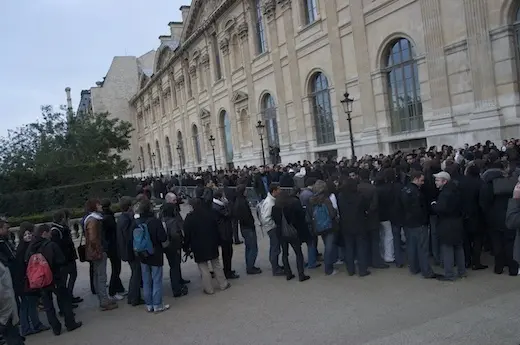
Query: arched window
{"type": "Point", "coordinates": [311, 11]}
{"type": "Point", "coordinates": [196, 143]}
{"type": "Point", "coordinates": [261, 45]}
{"type": "Point", "coordinates": [169, 152]}
{"type": "Point", "coordinates": [226, 136]}
{"type": "Point", "coordinates": [158, 153]}
{"type": "Point", "coordinates": [404, 91]}
{"type": "Point", "coordinates": [150, 155]}
{"type": "Point", "coordinates": [269, 117]}
{"type": "Point", "coordinates": [142, 161]}
{"type": "Point", "coordinates": [180, 148]}
{"type": "Point", "coordinates": [322, 110]}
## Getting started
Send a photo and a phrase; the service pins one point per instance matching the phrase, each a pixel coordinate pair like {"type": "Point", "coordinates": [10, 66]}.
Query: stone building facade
{"type": "Point", "coordinates": [421, 72]}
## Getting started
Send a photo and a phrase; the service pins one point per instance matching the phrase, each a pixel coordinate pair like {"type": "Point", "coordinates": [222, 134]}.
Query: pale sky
{"type": "Point", "coordinates": [48, 45]}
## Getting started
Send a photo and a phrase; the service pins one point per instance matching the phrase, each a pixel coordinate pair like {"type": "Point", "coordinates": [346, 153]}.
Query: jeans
{"type": "Point", "coordinates": [274, 250]}
{"type": "Point", "coordinates": [450, 252]}
{"type": "Point", "coordinates": [227, 256]}
{"type": "Point", "coordinates": [152, 285]}
{"type": "Point", "coordinates": [134, 286]}
{"type": "Point", "coordinates": [11, 334]}
{"type": "Point", "coordinates": [387, 241]}
{"type": "Point", "coordinates": [251, 245]}
{"type": "Point", "coordinates": [436, 247]}
{"type": "Point", "coordinates": [398, 249]}
{"type": "Point", "coordinates": [356, 247]}
{"type": "Point", "coordinates": [312, 254]}
{"type": "Point", "coordinates": [174, 261]}
{"type": "Point", "coordinates": [115, 285]}
{"type": "Point", "coordinates": [206, 275]}
{"type": "Point", "coordinates": [297, 247]}
{"type": "Point", "coordinates": [329, 256]}
{"type": "Point", "coordinates": [418, 251]}
{"type": "Point", "coordinates": [70, 274]}
{"type": "Point", "coordinates": [99, 271]}
{"type": "Point", "coordinates": [64, 301]}
{"type": "Point", "coordinates": [29, 318]}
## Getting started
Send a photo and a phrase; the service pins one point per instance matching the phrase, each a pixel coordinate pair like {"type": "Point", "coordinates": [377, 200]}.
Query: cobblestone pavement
{"type": "Point", "coordinates": [388, 307]}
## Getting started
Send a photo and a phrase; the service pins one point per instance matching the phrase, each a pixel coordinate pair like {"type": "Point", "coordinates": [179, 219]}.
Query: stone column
{"type": "Point", "coordinates": [436, 62]}
{"type": "Point", "coordinates": [243, 35]}
{"type": "Point", "coordinates": [480, 58]}
{"type": "Point", "coordinates": [206, 70]}
{"type": "Point", "coordinates": [366, 91]}
{"type": "Point", "coordinates": [182, 101]}
{"type": "Point", "coordinates": [269, 11]}
{"type": "Point", "coordinates": [196, 94]}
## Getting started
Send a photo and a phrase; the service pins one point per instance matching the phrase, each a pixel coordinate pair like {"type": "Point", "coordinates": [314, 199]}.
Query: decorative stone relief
{"type": "Point", "coordinates": [205, 60]}
{"type": "Point", "coordinates": [269, 9]}
{"type": "Point", "coordinates": [224, 45]}
{"type": "Point", "coordinates": [243, 31]}
{"type": "Point", "coordinates": [180, 81]}
{"type": "Point", "coordinates": [284, 4]}
{"type": "Point", "coordinates": [193, 70]}
{"type": "Point", "coordinates": [204, 113]}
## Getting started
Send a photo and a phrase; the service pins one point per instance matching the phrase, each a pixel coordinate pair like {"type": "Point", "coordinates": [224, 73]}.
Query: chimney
{"type": "Point", "coordinates": [164, 38]}
{"type": "Point", "coordinates": [69, 100]}
{"type": "Point", "coordinates": [185, 10]}
{"type": "Point", "coordinates": [176, 30]}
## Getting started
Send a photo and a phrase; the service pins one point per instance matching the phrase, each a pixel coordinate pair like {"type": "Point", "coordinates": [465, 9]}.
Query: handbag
{"type": "Point", "coordinates": [82, 250]}
{"type": "Point", "coordinates": [288, 231]}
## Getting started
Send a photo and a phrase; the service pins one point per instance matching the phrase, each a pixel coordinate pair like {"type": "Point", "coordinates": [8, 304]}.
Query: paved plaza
{"type": "Point", "coordinates": [390, 307]}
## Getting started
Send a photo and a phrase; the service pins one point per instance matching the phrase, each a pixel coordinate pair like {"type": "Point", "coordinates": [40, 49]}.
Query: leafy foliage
{"type": "Point", "coordinates": [63, 148]}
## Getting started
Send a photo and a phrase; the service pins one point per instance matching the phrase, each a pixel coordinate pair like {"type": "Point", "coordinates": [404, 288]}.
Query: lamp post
{"type": "Point", "coordinates": [141, 168]}
{"type": "Point", "coordinates": [179, 152]}
{"type": "Point", "coordinates": [260, 129]}
{"type": "Point", "coordinates": [154, 166]}
{"type": "Point", "coordinates": [212, 143]}
{"type": "Point", "coordinates": [347, 107]}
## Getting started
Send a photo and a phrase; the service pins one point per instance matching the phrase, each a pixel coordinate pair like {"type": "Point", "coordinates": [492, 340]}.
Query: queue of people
{"type": "Point", "coordinates": [428, 206]}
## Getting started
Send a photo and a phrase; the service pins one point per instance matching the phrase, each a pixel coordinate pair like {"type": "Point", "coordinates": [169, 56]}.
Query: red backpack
{"type": "Point", "coordinates": [39, 274]}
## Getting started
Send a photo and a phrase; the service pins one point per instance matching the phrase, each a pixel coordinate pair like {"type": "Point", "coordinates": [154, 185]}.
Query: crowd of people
{"type": "Point", "coordinates": [403, 209]}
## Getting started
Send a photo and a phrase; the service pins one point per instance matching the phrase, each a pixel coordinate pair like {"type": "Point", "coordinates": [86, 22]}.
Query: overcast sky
{"type": "Point", "coordinates": [48, 45]}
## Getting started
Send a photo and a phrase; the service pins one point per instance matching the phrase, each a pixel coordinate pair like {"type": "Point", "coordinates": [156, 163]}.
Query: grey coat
{"type": "Point", "coordinates": [8, 308]}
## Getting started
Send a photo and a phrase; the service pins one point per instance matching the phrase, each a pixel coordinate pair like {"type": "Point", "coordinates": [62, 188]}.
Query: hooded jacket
{"type": "Point", "coordinates": [52, 253]}
{"type": "Point", "coordinates": [61, 235]}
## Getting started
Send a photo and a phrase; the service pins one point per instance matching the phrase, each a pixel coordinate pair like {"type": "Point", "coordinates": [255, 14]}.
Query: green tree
{"type": "Point", "coordinates": [63, 148]}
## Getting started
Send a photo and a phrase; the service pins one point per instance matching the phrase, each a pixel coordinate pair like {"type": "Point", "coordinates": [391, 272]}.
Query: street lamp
{"type": "Point", "coordinates": [260, 129]}
{"type": "Point", "coordinates": [179, 151]}
{"type": "Point", "coordinates": [347, 107]}
{"type": "Point", "coordinates": [212, 143]}
{"type": "Point", "coordinates": [154, 166]}
{"type": "Point", "coordinates": [141, 167]}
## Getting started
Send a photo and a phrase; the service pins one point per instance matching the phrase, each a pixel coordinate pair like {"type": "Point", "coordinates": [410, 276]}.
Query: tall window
{"type": "Point", "coordinates": [149, 155]}
{"type": "Point", "coordinates": [143, 162]}
{"type": "Point", "coordinates": [261, 45]}
{"type": "Point", "coordinates": [311, 11]}
{"type": "Point", "coordinates": [158, 154]}
{"type": "Point", "coordinates": [196, 143]}
{"type": "Point", "coordinates": [237, 57]}
{"type": "Point", "coordinates": [269, 116]}
{"type": "Point", "coordinates": [322, 110]}
{"type": "Point", "coordinates": [169, 152]}
{"type": "Point", "coordinates": [403, 88]}
{"type": "Point", "coordinates": [226, 136]}
{"type": "Point", "coordinates": [218, 67]}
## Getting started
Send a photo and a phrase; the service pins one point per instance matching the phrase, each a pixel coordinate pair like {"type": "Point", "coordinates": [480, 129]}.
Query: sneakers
{"type": "Point", "coordinates": [334, 272]}
{"type": "Point", "coordinates": [160, 309]}
{"type": "Point", "coordinates": [117, 297]}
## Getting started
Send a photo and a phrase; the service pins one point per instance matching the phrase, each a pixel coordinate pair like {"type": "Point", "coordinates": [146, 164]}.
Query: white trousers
{"type": "Point", "coordinates": [387, 241]}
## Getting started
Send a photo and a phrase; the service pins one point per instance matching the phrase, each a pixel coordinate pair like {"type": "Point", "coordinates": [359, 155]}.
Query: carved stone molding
{"type": "Point", "coordinates": [193, 70]}
{"type": "Point", "coordinates": [269, 9]}
{"type": "Point", "coordinates": [284, 4]}
{"type": "Point", "coordinates": [243, 31]}
{"type": "Point", "coordinates": [239, 97]}
{"type": "Point", "coordinates": [180, 81]}
{"type": "Point", "coordinates": [204, 113]}
{"type": "Point", "coordinates": [224, 45]}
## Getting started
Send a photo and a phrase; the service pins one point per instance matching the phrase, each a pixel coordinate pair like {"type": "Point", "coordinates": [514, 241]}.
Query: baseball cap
{"type": "Point", "coordinates": [443, 175]}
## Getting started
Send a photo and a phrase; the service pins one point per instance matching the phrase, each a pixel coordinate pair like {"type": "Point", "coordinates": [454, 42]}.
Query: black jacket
{"type": "Point", "coordinates": [448, 209]}
{"type": "Point", "coordinates": [125, 233]}
{"type": "Point", "coordinates": [494, 198]}
{"type": "Point", "coordinates": [286, 180]}
{"type": "Point", "coordinates": [158, 236]}
{"type": "Point", "coordinates": [414, 207]}
{"type": "Point", "coordinates": [52, 253]}
{"type": "Point", "coordinates": [386, 198]}
{"type": "Point", "coordinates": [470, 192]}
{"type": "Point", "coordinates": [20, 268]}
{"type": "Point", "coordinates": [110, 232]}
{"type": "Point", "coordinates": [295, 215]}
{"type": "Point", "coordinates": [7, 253]}
{"type": "Point", "coordinates": [223, 217]}
{"type": "Point", "coordinates": [369, 193]}
{"type": "Point", "coordinates": [61, 235]}
{"type": "Point", "coordinates": [242, 212]}
{"type": "Point", "coordinates": [513, 214]}
{"type": "Point", "coordinates": [201, 234]}
{"type": "Point", "coordinates": [353, 210]}
{"type": "Point", "coordinates": [258, 185]}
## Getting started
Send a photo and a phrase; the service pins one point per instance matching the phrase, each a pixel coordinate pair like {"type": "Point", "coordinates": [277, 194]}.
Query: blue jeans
{"type": "Point", "coordinates": [398, 249]}
{"type": "Point", "coordinates": [311, 254]}
{"type": "Point", "coordinates": [330, 254]}
{"type": "Point", "coordinates": [436, 247]}
{"type": "Point", "coordinates": [418, 251]}
{"type": "Point", "coordinates": [274, 250]}
{"type": "Point", "coordinates": [448, 254]}
{"type": "Point", "coordinates": [29, 318]}
{"type": "Point", "coordinates": [251, 244]}
{"type": "Point", "coordinates": [356, 246]}
{"type": "Point", "coordinates": [152, 285]}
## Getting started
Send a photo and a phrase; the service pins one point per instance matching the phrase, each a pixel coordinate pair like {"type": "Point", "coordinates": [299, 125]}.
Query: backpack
{"type": "Point", "coordinates": [321, 218]}
{"type": "Point", "coordinates": [39, 273]}
{"type": "Point", "coordinates": [143, 246]}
